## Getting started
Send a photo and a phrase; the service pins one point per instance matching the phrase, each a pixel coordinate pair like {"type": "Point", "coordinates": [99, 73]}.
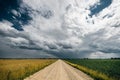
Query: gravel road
{"type": "Point", "coordinates": [59, 71]}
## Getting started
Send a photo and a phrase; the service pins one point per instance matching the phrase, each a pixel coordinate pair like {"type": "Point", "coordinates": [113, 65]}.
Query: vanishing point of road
{"type": "Point", "coordinates": [59, 70]}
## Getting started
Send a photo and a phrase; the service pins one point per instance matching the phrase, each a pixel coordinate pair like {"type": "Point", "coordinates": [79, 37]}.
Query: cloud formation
{"type": "Point", "coordinates": [62, 28]}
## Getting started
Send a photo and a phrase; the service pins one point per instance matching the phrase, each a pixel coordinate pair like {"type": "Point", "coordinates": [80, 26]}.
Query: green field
{"type": "Point", "coordinates": [99, 69]}
{"type": "Point", "coordinates": [18, 69]}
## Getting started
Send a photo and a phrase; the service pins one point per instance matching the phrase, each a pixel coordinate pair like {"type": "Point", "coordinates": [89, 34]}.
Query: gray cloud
{"type": "Point", "coordinates": [63, 29]}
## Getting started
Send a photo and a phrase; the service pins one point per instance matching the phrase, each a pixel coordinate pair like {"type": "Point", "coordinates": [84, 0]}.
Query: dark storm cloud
{"type": "Point", "coordinates": [96, 42]}
{"type": "Point", "coordinates": [110, 50]}
{"type": "Point", "coordinates": [8, 51]}
{"type": "Point", "coordinates": [46, 13]}
{"type": "Point", "coordinates": [51, 46]}
{"type": "Point", "coordinates": [30, 48]}
{"type": "Point", "coordinates": [19, 18]}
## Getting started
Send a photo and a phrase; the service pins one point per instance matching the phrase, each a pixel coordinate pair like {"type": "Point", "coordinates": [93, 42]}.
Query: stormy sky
{"type": "Point", "coordinates": [59, 28]}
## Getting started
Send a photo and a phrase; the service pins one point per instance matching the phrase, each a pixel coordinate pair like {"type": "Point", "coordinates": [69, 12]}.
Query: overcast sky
{"type": "Point", "coordinates": [59, 28]}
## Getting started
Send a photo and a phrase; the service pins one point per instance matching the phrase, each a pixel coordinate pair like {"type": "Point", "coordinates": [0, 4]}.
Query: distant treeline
{"type": "Point", "coordinates": [28, 58]}
{"type": "Point", "coordinates": [88, 58]}
{"type": "Point", "coordinates": [115, 58]}
{"type": "Point", "coordinates": [60, 58]}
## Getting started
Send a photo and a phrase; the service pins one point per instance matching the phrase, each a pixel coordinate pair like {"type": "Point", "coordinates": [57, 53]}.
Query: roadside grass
{"type": "Point", "coordinates": [20, 69]}
{"type": "Point", "coordinates": [109, 67]}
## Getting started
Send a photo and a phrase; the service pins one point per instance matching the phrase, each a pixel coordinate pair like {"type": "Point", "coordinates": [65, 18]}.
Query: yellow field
{"type": "Point", "coordinates": [19, 69]}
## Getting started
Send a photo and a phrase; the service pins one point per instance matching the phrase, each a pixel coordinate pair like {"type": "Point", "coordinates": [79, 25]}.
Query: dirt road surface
{"type": "Point", "coordinates": [59, 71]}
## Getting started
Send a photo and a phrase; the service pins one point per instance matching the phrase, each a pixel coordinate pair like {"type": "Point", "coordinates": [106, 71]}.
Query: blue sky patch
{"type": "Point", "coordinates": [99, 7]}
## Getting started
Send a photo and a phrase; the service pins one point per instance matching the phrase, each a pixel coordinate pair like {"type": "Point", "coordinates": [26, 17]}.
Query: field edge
{"type": "Point", "coordinates": [94, 74]}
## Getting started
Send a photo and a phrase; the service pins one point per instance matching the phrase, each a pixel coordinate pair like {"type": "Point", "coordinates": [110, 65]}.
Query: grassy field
{"type": "Point", "coordinates": [106, 69]}
{"type": "Point", "coordinates": [11, 69]}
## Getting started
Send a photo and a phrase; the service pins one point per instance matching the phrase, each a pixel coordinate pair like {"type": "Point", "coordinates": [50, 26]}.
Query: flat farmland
{"type": "Point", "coordinates": [99, 69]}
{"type": "Point", "coordinates": [38, 69]}
{"type": "Point", "coordinates": [18, 69]}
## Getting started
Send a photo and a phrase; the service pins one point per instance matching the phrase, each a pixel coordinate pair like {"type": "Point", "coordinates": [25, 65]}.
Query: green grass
{"type": "Point", "coordinates": [11, 69]}
{"type": "Point", "coordinates": [106, 69]}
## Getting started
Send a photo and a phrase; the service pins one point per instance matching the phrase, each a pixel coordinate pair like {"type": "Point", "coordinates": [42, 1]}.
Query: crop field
{"type": "Point", "coordinates": [11, 69]}
{"type": "Point", "coordinates": [106, 69]}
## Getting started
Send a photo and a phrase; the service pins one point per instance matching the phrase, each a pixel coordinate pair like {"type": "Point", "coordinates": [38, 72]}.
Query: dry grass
{"type": "Point", "coordinates": [19, 69]}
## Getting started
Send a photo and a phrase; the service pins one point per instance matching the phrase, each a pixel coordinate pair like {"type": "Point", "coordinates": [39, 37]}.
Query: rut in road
{"type": "Point", "coordinates": [59, 71]}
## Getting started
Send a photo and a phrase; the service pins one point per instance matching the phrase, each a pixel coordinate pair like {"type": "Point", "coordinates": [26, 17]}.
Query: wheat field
{"type": "Point", "coordinates": [18, 69]}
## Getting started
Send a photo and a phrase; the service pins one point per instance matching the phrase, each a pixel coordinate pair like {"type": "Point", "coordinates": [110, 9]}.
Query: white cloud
{"type": "Point", "coordinates": [16, 13]}
{"type": "Point", "coordinates": [102, 55]}
{"type": "Point", "coordinates": [59, 24]}
{"type": "Point", "coordinates": [6, 29]}
{"type": "Point", "coordinates": [19, 41]}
